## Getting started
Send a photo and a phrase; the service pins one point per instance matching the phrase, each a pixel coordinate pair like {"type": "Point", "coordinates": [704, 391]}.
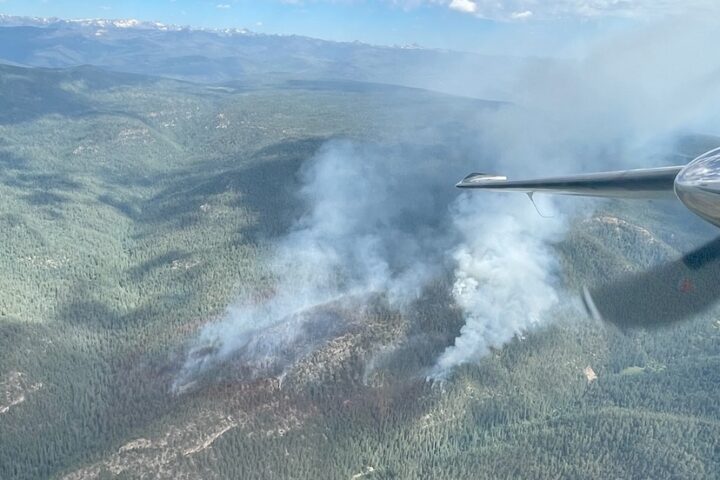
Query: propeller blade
{"type": "Point", "coordinates": [662, 295]}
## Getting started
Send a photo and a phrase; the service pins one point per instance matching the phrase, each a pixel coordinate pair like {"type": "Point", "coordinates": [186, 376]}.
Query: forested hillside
{"type": "Point", "coordinates": [136, 209]}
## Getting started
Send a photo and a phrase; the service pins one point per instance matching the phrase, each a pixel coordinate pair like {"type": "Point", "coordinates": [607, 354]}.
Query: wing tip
{"type": "Point", "coordinates": [479, 179]}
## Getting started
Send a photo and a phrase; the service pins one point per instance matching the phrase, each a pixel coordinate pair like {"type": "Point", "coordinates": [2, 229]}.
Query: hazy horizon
{"type": "Point", "coordinates": [461, 25]}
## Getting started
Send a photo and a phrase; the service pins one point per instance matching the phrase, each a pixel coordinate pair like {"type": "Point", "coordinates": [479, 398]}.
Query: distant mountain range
{"type": "Point", "coordinates": [105, 23]}
{"type": "Point", "coordinates": [239, 55]}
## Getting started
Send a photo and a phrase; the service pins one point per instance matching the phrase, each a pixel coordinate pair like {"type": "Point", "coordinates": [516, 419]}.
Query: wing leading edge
{"type": "Point", "coordinates": [641, 183]}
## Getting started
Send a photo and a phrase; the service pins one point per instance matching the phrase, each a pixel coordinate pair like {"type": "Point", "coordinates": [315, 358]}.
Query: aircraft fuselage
{"type": "Point", "coordinates": [698, 186]}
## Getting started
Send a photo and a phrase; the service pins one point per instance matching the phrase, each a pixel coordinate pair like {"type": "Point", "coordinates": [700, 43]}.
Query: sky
{"type": "Point", "coordinates": [522, 27]}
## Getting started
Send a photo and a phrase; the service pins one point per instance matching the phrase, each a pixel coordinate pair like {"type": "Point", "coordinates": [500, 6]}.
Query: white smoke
{"type": "Point", "coordinates": [383, 222]}
{"type": "Point", "coordinates": [615, 108]}
{"type": "Point", "coordinates": [504, 274]}
{"type": "Point", "coordinates": [374, 228]}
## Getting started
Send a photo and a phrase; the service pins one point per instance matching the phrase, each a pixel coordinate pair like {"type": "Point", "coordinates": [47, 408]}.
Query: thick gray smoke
{"type": "Point", "coordinates": [383, 222]}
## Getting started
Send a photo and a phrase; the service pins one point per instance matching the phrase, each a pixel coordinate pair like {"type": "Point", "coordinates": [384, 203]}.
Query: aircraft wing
{"type": "Point", "coordinates": [641, 183]}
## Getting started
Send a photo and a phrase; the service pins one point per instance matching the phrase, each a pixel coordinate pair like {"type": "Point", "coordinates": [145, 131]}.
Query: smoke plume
{"type": "Point", "coordinates": [382, 222]}
{"type": "Point", "coordinates": [375, 228]}
{"type": "Point", "coordinates": [504, 274]}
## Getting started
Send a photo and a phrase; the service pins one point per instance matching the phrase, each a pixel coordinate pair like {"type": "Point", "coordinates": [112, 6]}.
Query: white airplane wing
{"type": "Point", "coordinates": [641, 183]}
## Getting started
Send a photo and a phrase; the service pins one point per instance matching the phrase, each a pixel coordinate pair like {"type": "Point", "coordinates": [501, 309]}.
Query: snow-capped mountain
{"type": "Point", "coordinates": [239, 55]}
{"type": "Point", "coordinates": [10, 20]}
{"type": "Point", "coordinates": [104, 23]}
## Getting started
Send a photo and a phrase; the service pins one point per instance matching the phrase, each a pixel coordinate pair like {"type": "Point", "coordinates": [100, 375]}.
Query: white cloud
{"type": "Point", "coordinates": [523, 10]}
{"type": "Point", "coordinates": [521, 15]}
{"type": "Point", "coordinates": [517, 10]}
{"type": "Point", "coordinates": [467, 6]}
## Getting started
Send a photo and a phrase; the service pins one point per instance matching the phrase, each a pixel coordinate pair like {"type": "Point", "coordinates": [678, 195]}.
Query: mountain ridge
{"type": "Point", "coordinates": [216, 56]}
{"type": "Point", "coordinates": [135, 24]}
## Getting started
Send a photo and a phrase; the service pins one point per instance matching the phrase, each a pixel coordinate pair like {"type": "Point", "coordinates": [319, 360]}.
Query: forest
{"type": "Point", "coordinates": [136, 209]}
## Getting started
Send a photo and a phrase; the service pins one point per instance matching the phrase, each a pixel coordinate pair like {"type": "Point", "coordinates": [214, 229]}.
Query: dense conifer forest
{"type": "Point", "coordinates": [135, 210]}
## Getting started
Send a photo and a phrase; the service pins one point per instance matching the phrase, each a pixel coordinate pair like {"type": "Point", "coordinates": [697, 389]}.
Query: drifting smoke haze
{"type": "Point", "coordinates": [383, 222]}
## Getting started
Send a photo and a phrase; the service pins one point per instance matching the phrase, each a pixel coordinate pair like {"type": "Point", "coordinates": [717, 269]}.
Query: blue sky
{"type": "Point", "coordinates": [522, 27]}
